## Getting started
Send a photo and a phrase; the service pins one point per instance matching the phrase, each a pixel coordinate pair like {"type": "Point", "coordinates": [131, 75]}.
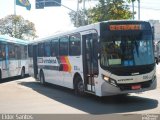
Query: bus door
{"type": "Point", "coordinates": [5, 62]}
{"type": "Point", "coordinates": [13, 63]}
{"type": "Point", "coordinates": [35, 66]}
{"type": "Point", "coordinates": [18, 56]}
{"type": "Point", "coordinates": [90, 60]}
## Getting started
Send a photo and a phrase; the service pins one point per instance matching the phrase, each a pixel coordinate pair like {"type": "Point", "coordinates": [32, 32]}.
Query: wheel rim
{"type": "Point", "coordinates": [80, 87]}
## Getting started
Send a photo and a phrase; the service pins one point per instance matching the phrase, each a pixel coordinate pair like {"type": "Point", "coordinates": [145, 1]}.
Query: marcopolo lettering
{"type": "Point", "coordinates": [50, 61]}
{"type": "Point", "coordinates": [122, 80]}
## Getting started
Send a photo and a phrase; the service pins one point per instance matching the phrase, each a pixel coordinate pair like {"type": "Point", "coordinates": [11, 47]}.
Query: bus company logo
{"type": "Point", "coordinates": [122, 80]}
{"type": "Point", "coordinates": [50, 61]}
{"type": "Point", "coordinates": [149, 117]}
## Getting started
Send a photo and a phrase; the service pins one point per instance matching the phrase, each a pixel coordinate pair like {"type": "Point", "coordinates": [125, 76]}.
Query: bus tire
{"type": "Point", "coordinates": [23, 72]}
{"type": "Point", "coordinates": [78, 86]}
{"type": "Point", "coordinates": [42, 78]}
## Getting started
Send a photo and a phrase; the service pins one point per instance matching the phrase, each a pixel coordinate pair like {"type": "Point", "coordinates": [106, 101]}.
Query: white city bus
{"type": "Point", "coordinates": [13, 57]}
{"type": "Point", "coordinates": [105, 58]}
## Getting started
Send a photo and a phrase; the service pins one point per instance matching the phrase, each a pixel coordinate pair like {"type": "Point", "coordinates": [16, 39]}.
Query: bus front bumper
{"type": "Point", "coordinates": [109, 89]}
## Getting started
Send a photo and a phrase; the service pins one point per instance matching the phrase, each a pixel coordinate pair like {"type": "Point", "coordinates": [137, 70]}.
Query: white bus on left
{"type": "Point", "coordinates": [13, 57]}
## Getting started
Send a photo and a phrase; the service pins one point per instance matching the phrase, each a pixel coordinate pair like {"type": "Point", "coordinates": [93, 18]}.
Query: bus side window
{"type": "Point", "coordinates": [40, 50]}
{"type": "Point", "coordinates": [30, 51]}
{"type": "Point", "coordinates": [63, 50]}
{"type": "Point", "coordinates": [75, 45]}
{"type": "Point", "coordinates": [23, 52]}
{"type": "Point", "coordinates": [47, 49]}
{"type": "Point", "coordinates": [11, 51]}
{"type": "Point", "coordinates": [1, 55]}
{"type": "Point", "coordinates": [17, 52]}
{"type": "Point", "coordinates": [3, 51]}
{"type": "Point", "coordinates": [55, 47]}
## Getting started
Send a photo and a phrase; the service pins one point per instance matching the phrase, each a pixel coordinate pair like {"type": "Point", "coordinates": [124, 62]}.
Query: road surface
{"type": "Point", "coordinates": [27, 96]}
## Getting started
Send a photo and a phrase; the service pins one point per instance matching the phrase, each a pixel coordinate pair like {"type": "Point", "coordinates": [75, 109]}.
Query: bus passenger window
{"type": "Point", "coordinates": [63, 51]}
{"type": "Point", "coordinates": [40, 50]}
{"type": "Point", "coordinates": [11, 51]}
{"type": "Point", "coordinates": [23, 53]}
{"type": "Point", "coordinates": [54, 47]}
{"type": "Point", "coordinates": [74, 45]}
{"type": "Point", "coordinates": [1, 55]}
{"type": "Point", "coordinates": [3, 51]}
{"type": "Point", "coordinates": [47, 49]}
{"type": "Point", "coordinates": [18, 52]}
{"type": "Point", "coordinates": [30, 51]}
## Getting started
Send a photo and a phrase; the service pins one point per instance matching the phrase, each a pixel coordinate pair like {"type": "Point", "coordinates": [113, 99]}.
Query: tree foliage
{"type": "Point", "coordinates": [80, 18]}
{"type": "Point", "coordinates": [16, 26]}
{"type": "Point", "coordinates": [104, 10]}
{"type": "Point", "coordinates": [110, 10]}
{"type": "Point", "coordinates": [133, 1]}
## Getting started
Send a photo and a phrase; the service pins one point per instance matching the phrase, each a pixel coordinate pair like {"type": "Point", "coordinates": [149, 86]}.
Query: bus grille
{"type": "Point", "coordinates": [129, 86]}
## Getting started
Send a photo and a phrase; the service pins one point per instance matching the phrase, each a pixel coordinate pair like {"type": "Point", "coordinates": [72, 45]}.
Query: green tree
{"type": "Point", "coordinates": [82, 17]}
{"type": "Point", "coordinates": [104, 10]}
{"type": "Point", "coordinates": [16, 26]}
{"type": "Point", "coordinates": [110, 10]}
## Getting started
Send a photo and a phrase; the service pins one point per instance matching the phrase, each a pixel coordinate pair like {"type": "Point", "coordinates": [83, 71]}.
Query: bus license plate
{"type": "Point", "coordinates": [136, 87]}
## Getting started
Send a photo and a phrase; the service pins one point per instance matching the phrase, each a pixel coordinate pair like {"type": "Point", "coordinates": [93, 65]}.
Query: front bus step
{"type": "Point", "coordinates": [90, 88]}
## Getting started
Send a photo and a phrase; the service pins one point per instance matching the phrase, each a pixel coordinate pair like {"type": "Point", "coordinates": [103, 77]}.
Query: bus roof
{"type": "Point", "coordinates": [5, 38]}
{"type": "Point", "coordinates": [83, 28]}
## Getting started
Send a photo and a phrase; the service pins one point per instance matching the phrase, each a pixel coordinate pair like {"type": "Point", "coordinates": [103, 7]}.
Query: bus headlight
{"type": "Point", "coordinates": [105, 78]}
{"type": "Point", "coordinates": [109, 80]}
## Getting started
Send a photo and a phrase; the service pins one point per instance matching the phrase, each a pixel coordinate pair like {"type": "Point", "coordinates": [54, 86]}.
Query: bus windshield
{"type": "Point", "coordinates": [127, 50]}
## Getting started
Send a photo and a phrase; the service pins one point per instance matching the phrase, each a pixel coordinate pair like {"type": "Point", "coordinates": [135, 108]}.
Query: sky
{"type": "Point", "coordinates": [56, 19]}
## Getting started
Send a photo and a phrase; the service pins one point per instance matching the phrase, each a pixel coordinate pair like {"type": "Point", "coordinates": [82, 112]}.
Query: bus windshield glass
{"type": "Point", "coordinates": [133, 49]}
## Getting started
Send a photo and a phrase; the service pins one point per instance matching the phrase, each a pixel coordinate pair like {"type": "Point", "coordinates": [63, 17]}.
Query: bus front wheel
{"type": "Point", "coordinates": [42, 79]}
{"type": "Point", "coordinates": [79, 86]}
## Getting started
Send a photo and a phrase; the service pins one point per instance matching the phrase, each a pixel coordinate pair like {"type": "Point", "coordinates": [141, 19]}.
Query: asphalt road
{"type": "Point", "coordinates": [27, 96]}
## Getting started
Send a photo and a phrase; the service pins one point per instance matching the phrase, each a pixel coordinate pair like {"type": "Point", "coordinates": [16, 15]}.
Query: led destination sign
{"type": "Point", "coordinates": [125, 27]}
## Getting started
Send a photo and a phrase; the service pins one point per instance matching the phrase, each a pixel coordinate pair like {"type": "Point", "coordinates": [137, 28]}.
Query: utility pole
{"type": "Point", "coordinates": [138, 9]}
{"type": "Point", "coordinates": [77, 14]}
{"type": "Point", "coordinates": [15, 25]}
{"type": "Point", "coordinates": [132, 9]}
{"type": "Point", "coordinates": [83, 19]}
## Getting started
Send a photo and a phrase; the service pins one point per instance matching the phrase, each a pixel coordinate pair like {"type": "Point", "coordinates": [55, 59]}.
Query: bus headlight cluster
{"type": "Point", "coordinates": [113, 82]}
{"type": "Point", "coordinates": [106, 78]}
{"type": "Point", "coordinates": [109, 80]}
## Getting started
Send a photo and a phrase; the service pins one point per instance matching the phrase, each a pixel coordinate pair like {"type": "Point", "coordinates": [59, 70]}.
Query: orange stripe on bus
{"type": "Point", "coordinates": [68, 63]}
{"type": "Point", "coordinates": [65, 63]}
